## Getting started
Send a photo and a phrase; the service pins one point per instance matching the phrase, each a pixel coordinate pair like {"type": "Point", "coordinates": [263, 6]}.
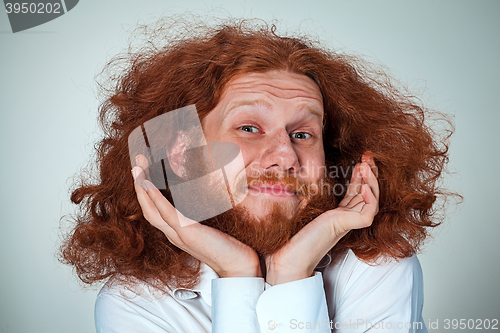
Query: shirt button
{"type": "Point", "coordinates": [272, 325]}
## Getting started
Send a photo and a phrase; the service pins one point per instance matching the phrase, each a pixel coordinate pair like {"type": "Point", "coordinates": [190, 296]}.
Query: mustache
{"type": "Point", "coordinates": [289, 182]}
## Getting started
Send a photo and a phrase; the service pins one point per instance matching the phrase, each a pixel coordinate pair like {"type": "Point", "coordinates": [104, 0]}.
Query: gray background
{"type": "Point", "coordinates": [449, 50]}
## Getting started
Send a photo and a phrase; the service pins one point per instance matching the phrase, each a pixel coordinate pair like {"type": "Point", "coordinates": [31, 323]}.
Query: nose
{"type": "Point", "coordinates": [279, 155]}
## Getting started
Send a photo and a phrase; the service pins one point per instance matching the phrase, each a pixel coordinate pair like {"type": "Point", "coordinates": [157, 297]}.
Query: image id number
{"type": "Point", "coordinates": [478, 324]}
{"type": "Point", "coordinates": [33, 8]}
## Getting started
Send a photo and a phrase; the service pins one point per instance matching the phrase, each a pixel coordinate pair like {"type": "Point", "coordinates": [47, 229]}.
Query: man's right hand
{"type": "Point", "coordinates": [227, 256]}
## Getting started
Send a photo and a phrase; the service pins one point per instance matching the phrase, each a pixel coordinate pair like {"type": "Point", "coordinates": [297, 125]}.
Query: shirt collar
{"type": "Point", "coordinates": [203, 288]}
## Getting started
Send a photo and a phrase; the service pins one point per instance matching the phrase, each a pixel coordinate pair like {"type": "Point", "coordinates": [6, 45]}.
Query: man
{"type": "Point", "coordinates": [340, 176]}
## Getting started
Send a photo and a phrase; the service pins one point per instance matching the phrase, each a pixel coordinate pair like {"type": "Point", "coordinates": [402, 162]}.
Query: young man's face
{"type": "Point", "coordinates": [276, 119]}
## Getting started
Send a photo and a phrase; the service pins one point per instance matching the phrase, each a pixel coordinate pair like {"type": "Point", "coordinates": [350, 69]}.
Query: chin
{"type": "Point", "coordinates": [261, 209]}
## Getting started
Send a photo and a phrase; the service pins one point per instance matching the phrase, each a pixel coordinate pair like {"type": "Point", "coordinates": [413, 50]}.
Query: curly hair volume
{"type": "Point", "coordinates": [364, 111]}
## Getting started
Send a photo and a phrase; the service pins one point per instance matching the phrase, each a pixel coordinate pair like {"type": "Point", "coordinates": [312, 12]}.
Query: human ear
{"type": "Point", "coordinates": [176, 153]}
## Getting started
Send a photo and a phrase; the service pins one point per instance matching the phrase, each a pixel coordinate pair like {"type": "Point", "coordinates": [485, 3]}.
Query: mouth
{"type": "Point", "coordinates": [278, 190]}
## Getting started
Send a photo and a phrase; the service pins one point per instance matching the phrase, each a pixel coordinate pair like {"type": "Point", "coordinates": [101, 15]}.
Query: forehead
{"type": "Point", "coordinates": [274, 85]}
{"type": "Point", "coordinates": [284, 94]}
{"type": "Point", "coordinates": [277, 87]}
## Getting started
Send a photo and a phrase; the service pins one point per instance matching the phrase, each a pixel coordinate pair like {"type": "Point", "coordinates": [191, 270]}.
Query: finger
{"type": "Point", "coordinates": [356, 182]}
{"type": "Point", "coordinates": [370, 209]}
{"type": "Point", "coordinates": [142, 162]}
{"type": "Point", "coordinates": [358, 207]}
{"type": "Point", "coordinates": [366, 209]}
{"type": "Point", "coordinates": [370, 179]}
{"type": "Point", "coordinates": [355, 201]}
{"type": "Point", "coordinates": [368, 159]}
{"type": "Point", "coordinates": [138, 175]}
{"type": "Point", "coordinates": [354, 187]}
{"type": "Point", "coordinates": [169, 213]}
{"type": "Point", "coordinates": [149, 210]}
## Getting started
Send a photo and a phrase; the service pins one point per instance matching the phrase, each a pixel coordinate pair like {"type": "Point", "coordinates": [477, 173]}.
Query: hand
{"type": "Point", "coordinates": [298, 258]}
{"type": "Point", "coordinates": [224, 254]}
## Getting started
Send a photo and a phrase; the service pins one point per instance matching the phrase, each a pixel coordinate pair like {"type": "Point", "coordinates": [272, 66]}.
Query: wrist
{"type": "Point", "coordinates": [274, 277]}
{"type": "Point", "coordinates": [250, 271]}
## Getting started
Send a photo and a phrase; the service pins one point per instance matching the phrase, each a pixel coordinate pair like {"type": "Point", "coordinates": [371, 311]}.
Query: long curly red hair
{"type": "Point", "coordinates": [364, 111]}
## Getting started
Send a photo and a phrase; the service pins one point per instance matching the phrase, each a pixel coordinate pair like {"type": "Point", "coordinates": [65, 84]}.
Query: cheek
{"type": "Point", "coordinates": [312, 166]}
{"type": "Point", "coordinates": [212, 136]}
{"type": "Point", "coordinates": [211, 127]}
{"type": "Point", "coordinates": [250, 155]}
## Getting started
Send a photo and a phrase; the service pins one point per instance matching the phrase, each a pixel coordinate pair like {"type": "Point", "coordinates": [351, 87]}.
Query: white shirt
{"type": "Point", "coordinates": [349, 296]}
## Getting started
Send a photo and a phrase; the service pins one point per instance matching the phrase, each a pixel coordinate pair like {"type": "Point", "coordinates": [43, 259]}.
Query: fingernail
{"type": "Point", "coordinates": [135, 172]}
{"type": "Point", "coordinates": [147, 185]}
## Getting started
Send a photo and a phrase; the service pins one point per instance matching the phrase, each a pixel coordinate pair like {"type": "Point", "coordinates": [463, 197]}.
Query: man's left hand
{"type": "Point", "coordinates": [300, 256]}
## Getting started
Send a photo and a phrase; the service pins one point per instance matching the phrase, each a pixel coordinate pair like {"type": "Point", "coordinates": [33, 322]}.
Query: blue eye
{"type": "Point", "coordinates": [301, 135]}
{"type": "Point", "coordinates": [249, 129]}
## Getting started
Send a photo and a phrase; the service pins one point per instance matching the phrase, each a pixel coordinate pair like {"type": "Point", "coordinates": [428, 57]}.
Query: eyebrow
{"type": "Point", "coordinates": [315, 111]}
{"type": "Point", "coordinates": [252, 102]}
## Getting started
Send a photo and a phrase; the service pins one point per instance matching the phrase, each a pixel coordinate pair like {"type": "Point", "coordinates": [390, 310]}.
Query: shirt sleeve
{"type": "Point", "coordinates": [376, 298]}
{"type": "Point", "coordinates": [249, 305]}
{"type": "Point", "coordinates": [233, 304]}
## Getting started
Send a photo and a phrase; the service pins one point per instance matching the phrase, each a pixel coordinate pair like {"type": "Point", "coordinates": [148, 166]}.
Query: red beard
{"type": "Point", "coordinates": [269, 234]}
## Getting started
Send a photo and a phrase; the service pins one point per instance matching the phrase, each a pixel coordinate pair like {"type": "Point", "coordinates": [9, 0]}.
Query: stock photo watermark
{"type": "Point", "coordinates": [353, 324]}
{"type": "Point", "coordinates": [446, 324]}
{"type": "Point", "coordinates": [25, 15]}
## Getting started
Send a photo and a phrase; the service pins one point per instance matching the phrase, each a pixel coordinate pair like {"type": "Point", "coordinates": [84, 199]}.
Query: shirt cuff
{"type": "Point", "coordinates": [233, 304]}
{"type": "Point", "coordinates": [294, 306]}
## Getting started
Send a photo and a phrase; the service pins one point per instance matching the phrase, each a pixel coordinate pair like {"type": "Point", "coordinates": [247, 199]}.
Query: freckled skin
{"type": "Point", "coordinates": [276, 119]}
